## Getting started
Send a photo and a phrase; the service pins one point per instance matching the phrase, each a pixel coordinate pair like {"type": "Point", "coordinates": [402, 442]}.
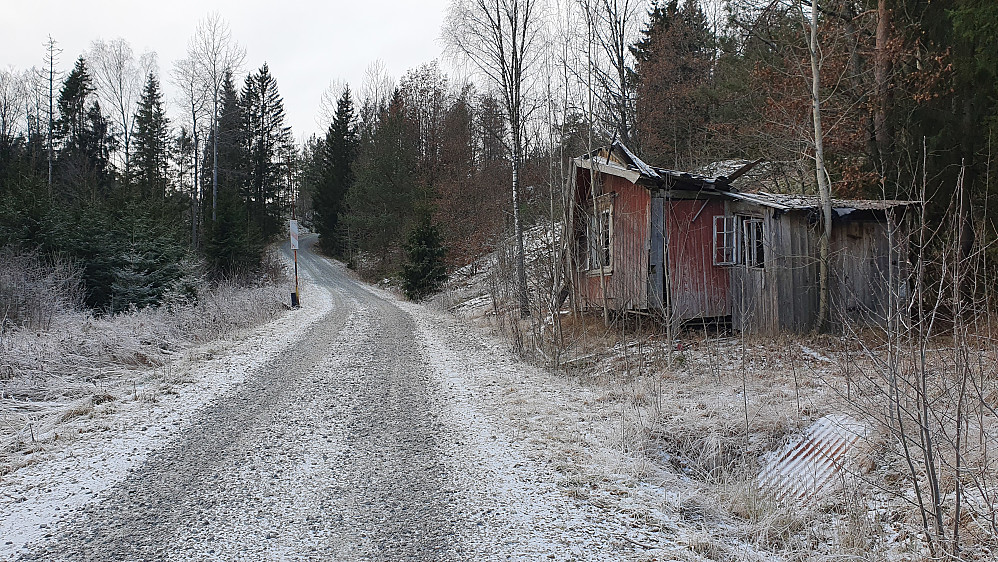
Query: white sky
{"type": "Point", "coordinates": [307, 43]}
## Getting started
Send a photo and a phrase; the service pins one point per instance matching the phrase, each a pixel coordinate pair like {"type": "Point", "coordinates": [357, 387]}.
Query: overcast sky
{"type": "Point", "coordinates": [306, 43]}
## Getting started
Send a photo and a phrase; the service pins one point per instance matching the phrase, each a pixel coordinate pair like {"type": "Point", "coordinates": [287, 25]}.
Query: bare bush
{"type": "Point", "coordinates": [33, 291]}
{"type": "Point", "coordinates": [62, 354]}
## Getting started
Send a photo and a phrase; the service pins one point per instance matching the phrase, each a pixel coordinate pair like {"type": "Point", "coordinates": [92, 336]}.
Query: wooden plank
{"type": "Point", "coordinates": [656, 255]}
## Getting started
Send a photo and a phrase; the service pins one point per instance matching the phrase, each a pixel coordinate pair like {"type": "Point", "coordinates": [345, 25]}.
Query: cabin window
{"type": "Point", "coordinates": [738, 240]}
{"type": "Point", "coordinates": [725, 240]}
{"type": "Point", "coordinates": [599, 236]}
{"type": "Point", "coordinates": [754, 245]}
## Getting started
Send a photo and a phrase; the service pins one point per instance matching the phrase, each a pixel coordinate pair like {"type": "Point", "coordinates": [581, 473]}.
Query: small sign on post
{"type": "Point", "coordinates": [295, 302]}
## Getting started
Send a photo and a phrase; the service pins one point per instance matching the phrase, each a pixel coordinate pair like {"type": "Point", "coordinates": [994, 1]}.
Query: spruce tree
{"type": "Point", "coordinates": [424, 270]}
{"type": "Point", "coordinates": [337, 155]}
{"type": "Point", "coordinates": [660, 17]}
{"type": "Point", "coordinates": [674, 65]}
{"type": "Point", "coordinates": [267, 141]}
{"type": "Point", "coordinates": [83, 162]}
{"type": "Point", "coordinates": [383, 199]}
{"type": "Point", "coordinates": [150, 145]}
{"type": "Point", "coordinates": [232, 243]}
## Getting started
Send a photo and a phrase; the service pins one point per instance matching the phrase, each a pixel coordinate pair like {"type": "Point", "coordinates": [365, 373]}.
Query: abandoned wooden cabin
{"type": "Point", "coordinates": [693, 248]}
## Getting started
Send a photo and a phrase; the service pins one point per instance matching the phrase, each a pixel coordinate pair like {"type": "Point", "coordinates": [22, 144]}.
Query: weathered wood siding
{"type": "Point", "coordinates": [863, 270]}
{"type": "Point", "coordinates": [783, 294]}
{"type": "Point", "coordinates": [627, 283]}
{"type": "Point", "coordinates": [795, 270]}
{"type": "Point", "coordinates": [697, 288]}
{"type": "Point", "coordinates": [656, 255]}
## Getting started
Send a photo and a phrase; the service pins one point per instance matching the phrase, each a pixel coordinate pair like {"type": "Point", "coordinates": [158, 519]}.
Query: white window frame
{"type": "Point", "coordinates": [739, 240]}
{"type": "Point", "coordinates": [599, 236]}
{"type": "Point", "coordinates": [725, 240]}
{"type": "Point", "coordinates": [754, 243]}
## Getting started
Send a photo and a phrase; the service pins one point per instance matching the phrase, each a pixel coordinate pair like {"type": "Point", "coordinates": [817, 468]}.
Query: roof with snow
{"type": "Point", "coordinates": [786, 202]}
{"type": "Point", "coordinates": [618, 160]}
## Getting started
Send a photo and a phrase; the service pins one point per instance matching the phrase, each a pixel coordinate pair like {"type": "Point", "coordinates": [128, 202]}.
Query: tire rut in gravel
{"type": "Point", "coordinates": [311, 457]}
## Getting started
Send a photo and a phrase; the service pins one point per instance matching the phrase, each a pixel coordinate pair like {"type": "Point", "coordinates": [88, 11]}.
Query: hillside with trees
{"type": "Point", "coordinates": [122, 198]}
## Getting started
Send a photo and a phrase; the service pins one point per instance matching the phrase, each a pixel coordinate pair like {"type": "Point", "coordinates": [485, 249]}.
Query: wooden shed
{"type": "Point", "coordinates": [693, 248]}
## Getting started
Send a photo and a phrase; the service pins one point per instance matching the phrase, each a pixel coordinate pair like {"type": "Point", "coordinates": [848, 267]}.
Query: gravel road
{"type": "Point", "coordinates": [377, 435]}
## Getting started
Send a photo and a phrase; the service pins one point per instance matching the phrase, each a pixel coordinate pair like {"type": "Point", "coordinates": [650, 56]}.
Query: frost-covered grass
{"type": "Point", "coordinates": [58, 361]}
{"type": "Point", "coordinates": [693, 421]}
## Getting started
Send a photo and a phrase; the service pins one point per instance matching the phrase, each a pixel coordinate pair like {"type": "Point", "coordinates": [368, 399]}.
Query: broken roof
{"type": "Point", "coordinates": [788, 202]}
{"type": "Point", "coordinates": [618, 160]}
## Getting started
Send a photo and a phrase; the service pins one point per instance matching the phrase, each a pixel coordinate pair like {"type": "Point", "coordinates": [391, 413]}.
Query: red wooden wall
{"type": "Point", "coordinates": [698, 288]}
{"type": "Point", "coordinates": [627, 285]}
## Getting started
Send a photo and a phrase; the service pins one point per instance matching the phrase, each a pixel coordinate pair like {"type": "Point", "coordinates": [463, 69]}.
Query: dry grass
{"type": "Point", "coordinates": [75, 361]}
{"type": "Point", "coordinates": [700, 420]}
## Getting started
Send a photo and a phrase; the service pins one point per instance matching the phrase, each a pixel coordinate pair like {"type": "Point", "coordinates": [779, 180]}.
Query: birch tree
{"type": "Point", "coordinates": [193, 99]}
{"type": "Point", "coordinates": [614, 31]}
{"type": "Point", "coordinates": [12, 96]}
{"type": "Point", "coordinates": [118, 78]}
{"type": "Point", "coordinates": [821, 175]}
{"type": "Point", "coordinates": [214, 54]}
{"type": "Point", "coordinates": [501, 39]}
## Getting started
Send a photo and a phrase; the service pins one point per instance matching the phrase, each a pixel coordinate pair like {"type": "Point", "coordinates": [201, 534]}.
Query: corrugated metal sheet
{"type": "Point", "coordinates": [787, 202]}
{"type": "Point", "coordinates": [809, 468]}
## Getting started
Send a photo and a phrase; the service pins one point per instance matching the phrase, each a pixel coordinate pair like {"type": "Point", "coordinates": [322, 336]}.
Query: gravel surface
{"type": "Point", "coordinates": [383, 432]}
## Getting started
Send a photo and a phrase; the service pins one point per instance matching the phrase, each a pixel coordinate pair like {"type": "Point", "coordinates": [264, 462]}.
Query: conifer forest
{"type": "Point", "coordinates": [131, 185]}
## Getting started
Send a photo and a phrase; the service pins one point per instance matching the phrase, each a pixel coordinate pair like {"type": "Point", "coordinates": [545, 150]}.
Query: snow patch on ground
{"type": "Point", "coordinates": [78, 462]}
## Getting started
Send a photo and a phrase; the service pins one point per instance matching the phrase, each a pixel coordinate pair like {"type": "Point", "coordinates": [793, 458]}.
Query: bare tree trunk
{"type": "Point", "coordinates": [195, 191]}
{"type": "Point", "coordinates": [881, 74]}
{"type": "Point", "coordinates": [214, 159]}
{"type": "Point", "coordinates": [52, 52]}
{"type": "Point", "coordinates": [213, 54]}
{"type": "Point", "coordinates": [824, 189]}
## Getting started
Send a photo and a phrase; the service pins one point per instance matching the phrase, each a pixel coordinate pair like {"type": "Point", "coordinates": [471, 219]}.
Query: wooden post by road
{"type": "Point", "coordinates": [295, 301]}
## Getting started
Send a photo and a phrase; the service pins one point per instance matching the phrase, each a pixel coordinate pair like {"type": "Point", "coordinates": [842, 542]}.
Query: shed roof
{"type": "Point", "coordinates": [788, 202]}
{"type": "Point", "coordinates": [618, 160]}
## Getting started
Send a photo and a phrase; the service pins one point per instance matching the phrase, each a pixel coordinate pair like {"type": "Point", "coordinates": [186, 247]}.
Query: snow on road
{"type": "Point", "coordinates": [359, 427]}
{"type": "Point", "coordinates": [76, 469]}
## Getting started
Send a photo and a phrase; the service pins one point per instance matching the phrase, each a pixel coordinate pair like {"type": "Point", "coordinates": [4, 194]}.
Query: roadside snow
{"type": "Point", "coordinates": [76, 463]}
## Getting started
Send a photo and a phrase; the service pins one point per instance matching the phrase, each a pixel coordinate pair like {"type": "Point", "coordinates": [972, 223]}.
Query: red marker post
{"type": "Point", "coordinates": [295, 302]}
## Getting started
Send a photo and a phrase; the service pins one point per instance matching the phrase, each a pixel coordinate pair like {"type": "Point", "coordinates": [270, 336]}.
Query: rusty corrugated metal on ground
{"type": "Point", "coordinates": [811, 467]}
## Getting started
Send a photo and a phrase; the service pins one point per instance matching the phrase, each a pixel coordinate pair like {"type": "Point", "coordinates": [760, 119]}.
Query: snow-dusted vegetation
{"type": "Point", "coordinates": [798, 447]}
{"type": "Point", "coordinates": [58, 359]}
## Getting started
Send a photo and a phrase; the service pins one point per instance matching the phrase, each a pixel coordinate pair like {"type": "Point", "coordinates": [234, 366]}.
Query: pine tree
{"type": "Point", "coordinates": [267, 141]}
{"type": "Point", "coordinates": [150, 144]}
{"type": "Point", "coordinates": [337, 154]}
